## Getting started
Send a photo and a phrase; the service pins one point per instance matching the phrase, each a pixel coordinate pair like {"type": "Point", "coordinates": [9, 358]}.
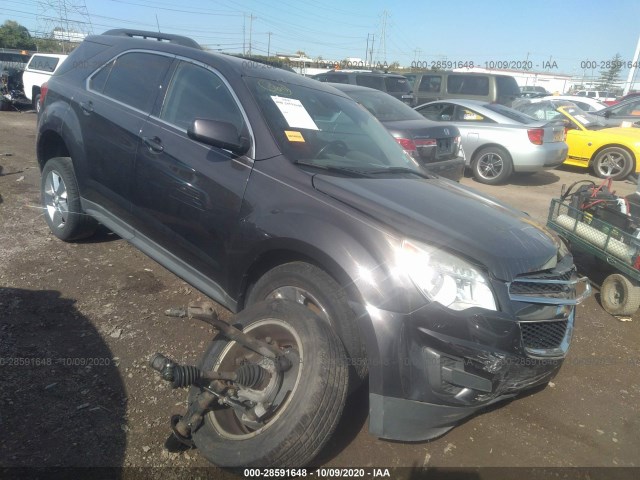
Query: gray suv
{"type": "Point", "coordinates": [254, 183]}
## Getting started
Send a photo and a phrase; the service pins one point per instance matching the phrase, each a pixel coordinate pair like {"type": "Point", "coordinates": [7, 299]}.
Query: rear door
{"type": "Point", "coordinates": [112, 110]}
{"type": "Point", "coordinates": [187, 194]}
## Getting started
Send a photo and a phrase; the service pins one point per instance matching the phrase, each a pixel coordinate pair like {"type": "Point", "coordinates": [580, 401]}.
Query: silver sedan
{"type": "Point", "coordinates": [498, 141]}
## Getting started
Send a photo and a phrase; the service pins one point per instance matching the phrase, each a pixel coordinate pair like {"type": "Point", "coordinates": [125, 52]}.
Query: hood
{"type": "Point", "coordinates": [454, 217]}
{"type": "Point", "coordinates": [421, 129]}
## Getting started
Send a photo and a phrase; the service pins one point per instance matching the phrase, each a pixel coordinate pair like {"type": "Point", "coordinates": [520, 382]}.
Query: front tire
{"type": "Point", "coordinates": [614, 162]}
{"type": "Point", "coordinates": [310, 286]}
{"type": "Point", "coordinates": [303, 422]}
{"type": "Point", "coordinates": [61, 201]}
{"type": "Point", "coordinates": [492, 166]}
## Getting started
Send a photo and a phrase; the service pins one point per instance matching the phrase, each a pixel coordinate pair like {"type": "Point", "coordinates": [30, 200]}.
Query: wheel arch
{"type": "Point", "coordinates": [479, 149]}
{"type": "Point", "coordinates": [51, 145]}
{"type": "Point", "coordinates": [275, 255]}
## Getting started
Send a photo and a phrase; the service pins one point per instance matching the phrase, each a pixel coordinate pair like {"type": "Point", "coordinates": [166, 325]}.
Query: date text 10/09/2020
{"type": "Point", "coordinates": [318, 472]}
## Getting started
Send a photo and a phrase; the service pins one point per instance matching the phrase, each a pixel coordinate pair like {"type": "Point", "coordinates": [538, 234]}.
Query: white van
{"type": "Point", "coordinates": [599, 95]}
{"type": "Point", "coordinates": [39, 69]}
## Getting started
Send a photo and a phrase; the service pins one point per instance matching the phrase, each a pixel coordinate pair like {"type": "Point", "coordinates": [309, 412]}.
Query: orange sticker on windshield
{"type": "Point", "coordinates": [294, 136]}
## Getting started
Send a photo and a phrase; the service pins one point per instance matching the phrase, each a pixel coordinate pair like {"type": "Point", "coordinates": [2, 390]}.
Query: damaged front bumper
{"type": "Point", "coordinates": [438, 366]}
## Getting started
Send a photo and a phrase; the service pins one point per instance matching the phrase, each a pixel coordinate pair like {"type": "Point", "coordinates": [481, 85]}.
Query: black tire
{"type": "Point", "coordinates": [61, 201]}
{"type": "Point", "coordinates": [306, 419]}
{"type": "Point", "coordinates": [614, 162]}
{"type": "Point", "coordinates": [322, 294]}
{"type": "Point", "coordinates": [36, 103]}
{"type": "Point", "coordinates": [619, 295]}
{"type": "Point", "coordinates": [492, 165]}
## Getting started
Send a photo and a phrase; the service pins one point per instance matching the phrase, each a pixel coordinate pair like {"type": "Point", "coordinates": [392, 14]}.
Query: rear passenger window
{"type": "Point", "coordinates": [371, 81]}
{"type": "Point", "coordinates": [430, 83]}
{"type": "Point", "coordinates": [132, 78]}
{"type": "Point", "coordinates": [468, 84]}
{"type": "Point", "coordinates": [196, 92]}
{"type": "Point", "coordinates": [397, 84]}
{"type": "Point", "coordinates": [336, 78]}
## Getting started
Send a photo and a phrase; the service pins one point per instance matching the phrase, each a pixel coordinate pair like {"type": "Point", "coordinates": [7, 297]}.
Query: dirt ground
{"type": "Point", "coordinates": [79, 321]}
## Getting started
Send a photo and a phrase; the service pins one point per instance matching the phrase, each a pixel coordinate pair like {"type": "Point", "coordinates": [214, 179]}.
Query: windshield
{"type": "Point", "coordinates": [318, 128]}
{"type": "Point", "coordinates": [587, 120]}
{"type": "Point", "coordinates": [384, 107]}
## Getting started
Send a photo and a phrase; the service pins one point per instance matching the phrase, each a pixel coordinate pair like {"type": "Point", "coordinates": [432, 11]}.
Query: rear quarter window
{"type": "Point", "coordinates": [468, 85]}
{"type": "Point", "coordinates": [371, 81]}
{"type": "Point", "coordinates": [507, 86]}
{"type": "Point", "coordinates": [43, 64]}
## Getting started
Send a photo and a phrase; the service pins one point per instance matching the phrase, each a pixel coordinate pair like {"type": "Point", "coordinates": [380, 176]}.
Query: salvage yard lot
{"type": "Point", "coordinates": [78, 323]}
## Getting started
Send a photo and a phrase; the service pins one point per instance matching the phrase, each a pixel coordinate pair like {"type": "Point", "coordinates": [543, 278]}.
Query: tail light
{"type": "Point", "coordinates": [536, 135]}
{"type": "Point", "coordinates": [407, 144]}
{"type": "Point", "coordinates": [44, 88]}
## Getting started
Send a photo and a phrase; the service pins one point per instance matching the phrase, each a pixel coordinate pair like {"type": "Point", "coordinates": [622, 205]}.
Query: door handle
{"type": "Point", "coordinates": [153, 144]}
{"type": "Point", "coordinates": [87, 107]}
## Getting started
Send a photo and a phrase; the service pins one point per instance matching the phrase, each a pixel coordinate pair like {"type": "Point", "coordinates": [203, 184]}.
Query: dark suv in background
{"type": "Point", "coordinates": [395, 85]}
{"type": "Point", "coordinates": [254, 183]}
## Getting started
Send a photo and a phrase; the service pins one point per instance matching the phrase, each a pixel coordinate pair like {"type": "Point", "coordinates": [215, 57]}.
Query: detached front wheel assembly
{"type": "Point", "coordinates": [269, 390]}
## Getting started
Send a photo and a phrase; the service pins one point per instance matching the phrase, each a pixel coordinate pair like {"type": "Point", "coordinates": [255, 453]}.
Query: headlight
{"type": "Point", "coordinates": [563, 251]}
{"type": "Point", "coordinates": [445, 278]}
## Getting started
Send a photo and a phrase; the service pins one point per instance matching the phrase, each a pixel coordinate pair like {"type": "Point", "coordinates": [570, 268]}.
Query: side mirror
{"type": "Point", "coordinates": [218, 134]}
{"type": "Point", "coordinates": [607, 114]}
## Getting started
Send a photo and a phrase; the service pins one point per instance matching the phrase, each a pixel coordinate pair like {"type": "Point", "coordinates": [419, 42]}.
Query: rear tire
{"type": "Point", "coordinates": [614, 162]}
{"type": "Point", "coordinates": [305, 420]}
{"type": "Point", "coordinates": [36, 103]}
{"type": "Point", "coordinates": [619, 295]}
{"type": "Point", "coordinates": [61, 201]}
{"type": "Point", "coordinates": [492, 165]}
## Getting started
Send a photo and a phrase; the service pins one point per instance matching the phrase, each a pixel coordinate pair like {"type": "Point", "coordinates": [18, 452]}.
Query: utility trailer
{"type": "Point", "coordinates": [611, 243]}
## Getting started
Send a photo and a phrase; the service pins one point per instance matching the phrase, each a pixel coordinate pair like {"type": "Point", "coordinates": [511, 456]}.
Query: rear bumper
{"type": "Point", "coordinates": [542, 157]}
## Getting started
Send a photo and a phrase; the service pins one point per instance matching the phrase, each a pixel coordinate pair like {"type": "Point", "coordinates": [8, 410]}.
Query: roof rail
{"type": "Point", "coordinates": [161, 37]}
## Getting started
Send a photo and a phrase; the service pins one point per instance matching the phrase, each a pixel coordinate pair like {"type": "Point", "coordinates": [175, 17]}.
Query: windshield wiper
{"type": "Point", "coordinates": [398, 170]}
{"type": "Point", "coordinates": [334, 169]}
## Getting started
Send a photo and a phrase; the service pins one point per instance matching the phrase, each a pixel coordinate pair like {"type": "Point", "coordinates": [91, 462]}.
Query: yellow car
{"type": "Point", "coordinates": [610, 151]}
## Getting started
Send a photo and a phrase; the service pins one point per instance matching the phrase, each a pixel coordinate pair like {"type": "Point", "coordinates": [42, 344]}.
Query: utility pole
{"type": "Point", "coordinates": [366, 52]}
{"type": "Point", "coordinates": [244, 35]}
{"type": "Point", "coordinates": [632, 70]}
{"type": "Point", "coordinates": [416, 54]}
{"type": "Point", "coordinates": [373, 37]}
{"type": "Point", "coordinates": [251, 17]}
{"type": "Point", "coordinates": [269, 44]}
{"type": "Point", "coordinates": [383, 41]}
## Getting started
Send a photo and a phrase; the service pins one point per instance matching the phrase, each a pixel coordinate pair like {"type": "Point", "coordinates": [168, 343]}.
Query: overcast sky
{"type": "Point", "coordinates": [567, 32]}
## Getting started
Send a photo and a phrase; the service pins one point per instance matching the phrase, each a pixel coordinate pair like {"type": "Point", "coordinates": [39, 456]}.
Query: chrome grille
{"type": "Point", "coordinates": [543, 335]}
{"type": "Point", "coordinates": [549, 286]}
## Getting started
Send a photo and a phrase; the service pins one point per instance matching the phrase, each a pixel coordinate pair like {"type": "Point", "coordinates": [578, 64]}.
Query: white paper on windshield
{"type": "Point", "coordinates": [294, 113]}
